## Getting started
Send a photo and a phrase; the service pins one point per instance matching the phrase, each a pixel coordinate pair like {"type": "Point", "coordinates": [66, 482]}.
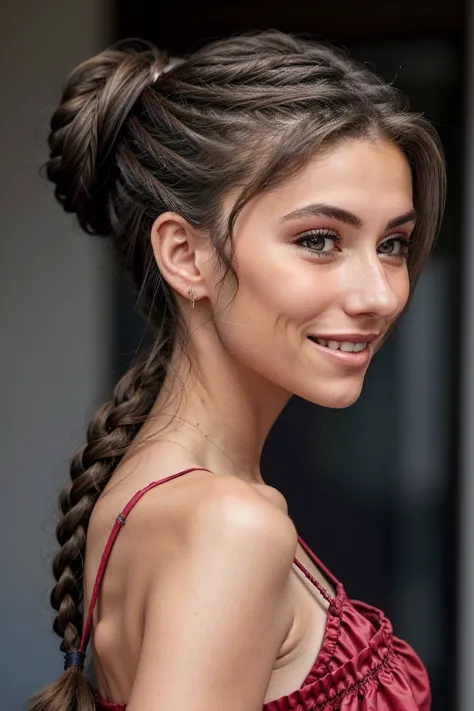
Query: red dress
{"type": "Point", "coordinates": [361, 666]}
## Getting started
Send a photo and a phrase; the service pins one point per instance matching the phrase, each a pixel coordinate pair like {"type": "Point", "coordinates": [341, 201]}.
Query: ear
{"type": "Point", "coordinates": [179, 251]}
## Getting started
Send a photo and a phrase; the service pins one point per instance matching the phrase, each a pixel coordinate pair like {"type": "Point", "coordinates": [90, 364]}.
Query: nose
{"type": "Point", "coordinates": [374, 291]}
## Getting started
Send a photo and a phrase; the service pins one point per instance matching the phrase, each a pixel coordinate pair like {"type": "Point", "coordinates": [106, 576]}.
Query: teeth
{"type": "Point", "coordinates": [346, 346]}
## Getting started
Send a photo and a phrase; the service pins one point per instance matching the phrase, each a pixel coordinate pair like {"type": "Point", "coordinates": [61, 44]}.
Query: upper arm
{"type": "Point", "coordinates": [218, 610]}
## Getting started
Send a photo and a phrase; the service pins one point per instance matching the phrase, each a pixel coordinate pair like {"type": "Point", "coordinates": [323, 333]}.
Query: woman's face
{"type": "Point", "coordinates": [322, 270]}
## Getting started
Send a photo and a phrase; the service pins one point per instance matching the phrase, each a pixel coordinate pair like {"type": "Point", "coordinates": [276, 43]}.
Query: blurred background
{"type": "Point", "coordinates": [383, 491]}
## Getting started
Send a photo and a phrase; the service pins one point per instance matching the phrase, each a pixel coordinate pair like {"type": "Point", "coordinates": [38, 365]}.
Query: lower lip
{"type": "Point", "coordinates": [353, 360]}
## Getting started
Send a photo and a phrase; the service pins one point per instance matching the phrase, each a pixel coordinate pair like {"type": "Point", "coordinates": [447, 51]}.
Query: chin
{"type": "Point", "coordinates": [337, 398]}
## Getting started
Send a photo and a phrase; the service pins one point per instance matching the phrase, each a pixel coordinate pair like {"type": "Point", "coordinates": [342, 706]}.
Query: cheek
{"type": "Point", "coordinates": [400, 285]}
{"type": "Point", "coordinates": [276, 280]}
{"type": "Point", "coordinates": [274, 302]}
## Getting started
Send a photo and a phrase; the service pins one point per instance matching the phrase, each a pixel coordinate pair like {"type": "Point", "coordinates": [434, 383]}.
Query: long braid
{"type": "Point", "coordinates": [109, 435]}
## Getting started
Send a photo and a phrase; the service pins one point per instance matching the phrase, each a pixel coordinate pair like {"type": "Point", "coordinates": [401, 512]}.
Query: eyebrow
{"type": "Point", "coordinates": [338, 213]}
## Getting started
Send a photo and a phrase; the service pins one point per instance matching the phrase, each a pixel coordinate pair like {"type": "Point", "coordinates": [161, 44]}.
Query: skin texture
{"type": "Point", "coordinates": [201, 607]}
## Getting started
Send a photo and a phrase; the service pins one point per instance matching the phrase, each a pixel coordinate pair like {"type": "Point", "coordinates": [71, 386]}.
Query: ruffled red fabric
{"type": "Point", "coordinates": [361, 666]}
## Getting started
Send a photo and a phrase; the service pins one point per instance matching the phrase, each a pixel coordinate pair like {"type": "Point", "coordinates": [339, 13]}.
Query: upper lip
{"type": "Point", "coordinates": [342, 337]}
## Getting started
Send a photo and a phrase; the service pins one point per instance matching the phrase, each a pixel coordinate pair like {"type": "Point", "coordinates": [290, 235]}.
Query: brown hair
{"type": "Point", "coordinates": [136, 135]}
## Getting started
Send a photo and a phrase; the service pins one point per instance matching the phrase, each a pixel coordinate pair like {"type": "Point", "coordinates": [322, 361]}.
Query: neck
{"type": "Point", "coordinates": [217, 409]}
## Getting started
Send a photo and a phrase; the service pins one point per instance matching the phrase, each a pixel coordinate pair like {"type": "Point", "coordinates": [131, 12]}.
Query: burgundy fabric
{"type": "Point", "coordinates": [361, 665]}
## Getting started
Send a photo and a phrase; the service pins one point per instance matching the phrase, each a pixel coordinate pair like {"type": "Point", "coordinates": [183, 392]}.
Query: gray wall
{"type": "Point", "coordinates": [466, 528]}
{"type": "Point", "coordinates": [54, 327]}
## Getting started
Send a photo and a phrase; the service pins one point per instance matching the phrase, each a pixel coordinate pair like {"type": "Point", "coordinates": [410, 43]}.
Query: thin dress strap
{"type": "Point", "coordinates": [119, 522]}
{"type": "Point", "coordinates": [321, 567]}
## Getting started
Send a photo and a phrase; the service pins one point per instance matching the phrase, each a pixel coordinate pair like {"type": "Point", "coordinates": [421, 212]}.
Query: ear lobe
{"type": "Point", "coordinates": [174, 245]}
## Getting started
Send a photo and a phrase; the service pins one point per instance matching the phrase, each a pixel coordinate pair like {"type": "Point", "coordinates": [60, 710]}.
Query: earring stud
{"type": "Point", "coordinates": [192, 296]}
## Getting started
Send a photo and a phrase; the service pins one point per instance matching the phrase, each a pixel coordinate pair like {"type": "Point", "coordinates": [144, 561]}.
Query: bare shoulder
{"type": "Point", "coordinates": [239, 516]}
{"type": "Point", "coordinates": [207, 511]}
{"type": "Point", "coordinates": [202, 571]}
{"type": "Point", "coordinates": [198, 511]}
{"type": "Point", "coordinates": [218, 591]}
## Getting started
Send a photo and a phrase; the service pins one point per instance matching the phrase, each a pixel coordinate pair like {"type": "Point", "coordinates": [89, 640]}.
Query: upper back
{"type": "Point", "coordinates": [166, 525]}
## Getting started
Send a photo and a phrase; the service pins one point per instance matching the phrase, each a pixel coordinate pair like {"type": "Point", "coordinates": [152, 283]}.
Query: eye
{"type": "Point", "coordinates": [394, 247]}
{"type": "Point", "coordinates": [319, 242]}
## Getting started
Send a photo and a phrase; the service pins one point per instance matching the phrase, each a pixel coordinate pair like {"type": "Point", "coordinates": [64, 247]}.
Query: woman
{"type": "Point", "coordinates": [274, 204]}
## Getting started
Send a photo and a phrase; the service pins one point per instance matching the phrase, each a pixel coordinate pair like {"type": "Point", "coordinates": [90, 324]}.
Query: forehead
{"type": "Point", "coordinates": [360, 175]}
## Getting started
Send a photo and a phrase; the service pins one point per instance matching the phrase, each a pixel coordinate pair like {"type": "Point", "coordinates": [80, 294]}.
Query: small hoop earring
{"type": "Point", "coordinates": [192, 296]}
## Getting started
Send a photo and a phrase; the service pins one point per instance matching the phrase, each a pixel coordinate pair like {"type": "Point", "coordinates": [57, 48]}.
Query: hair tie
{"type": "Point", "coordinates": [74, 659]}
{"type": "Point", "coordinates": [156, 75]}
{"type": "Point", "coordinates": [171, 63]}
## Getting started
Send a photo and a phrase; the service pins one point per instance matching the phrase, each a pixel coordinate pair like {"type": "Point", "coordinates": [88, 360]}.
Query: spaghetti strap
{"type": "Point", "coordinates": [119, 522]}
{"type": "Point", "coordinates": [318, 563]}
{"type": "Point", "coordinates": [329, 598]}
{"type": "Point", "coordinates": [322, 590]}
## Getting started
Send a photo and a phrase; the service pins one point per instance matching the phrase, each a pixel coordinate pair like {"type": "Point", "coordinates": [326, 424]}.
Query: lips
{"type": "Point", "coordinates": [346, 346]}
{"type": "Point", "coordinates": [346, 342]}
{"type": "Point", "coordinates": [347, 350]}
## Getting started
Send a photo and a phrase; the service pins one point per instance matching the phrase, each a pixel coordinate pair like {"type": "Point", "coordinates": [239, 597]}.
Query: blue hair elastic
{"type": "Point", "coordinates": [74, 659]}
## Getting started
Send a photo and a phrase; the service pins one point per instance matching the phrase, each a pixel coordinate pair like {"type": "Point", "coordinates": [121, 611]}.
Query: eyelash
{"type": "Point", "coordinates": [329, 234]}
{"type": "Point", "coordinates": [318, 234]}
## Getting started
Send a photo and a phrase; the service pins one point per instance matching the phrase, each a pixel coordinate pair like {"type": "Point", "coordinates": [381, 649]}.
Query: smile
{"type": "Point", "coordinates": [350, 350]}
{"type": "Point", "coordinates": [346, 346]}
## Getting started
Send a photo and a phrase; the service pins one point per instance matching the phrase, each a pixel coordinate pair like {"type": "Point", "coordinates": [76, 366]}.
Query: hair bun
{"type": "Point", "coordinates": [95, 103]}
